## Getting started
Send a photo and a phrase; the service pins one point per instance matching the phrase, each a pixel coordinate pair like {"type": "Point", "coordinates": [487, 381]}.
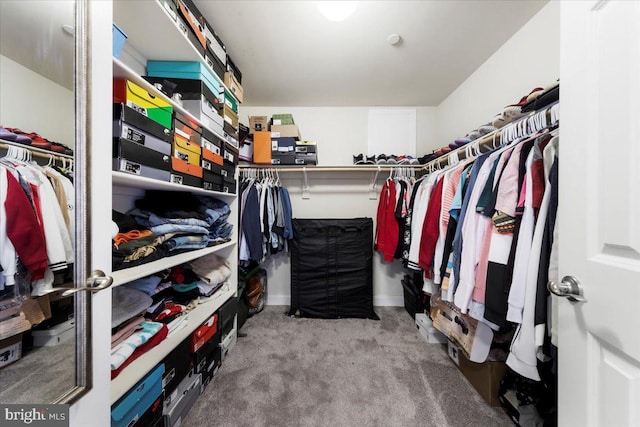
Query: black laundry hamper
{"type": "Point", "coordinates": [331, 268]}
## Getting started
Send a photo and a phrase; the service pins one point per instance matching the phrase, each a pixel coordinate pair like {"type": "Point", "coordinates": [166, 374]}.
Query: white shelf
{"type": "Point", "coordinates": [135, 181]}
{"type": "Point", "coordinates": [121, 277]}
{"type": "Point", "coordinates": [122, 71]}
{"type": "Point", "coordinates": [152, 32]}
{"type": "Point", "coordinates": [142, 365]}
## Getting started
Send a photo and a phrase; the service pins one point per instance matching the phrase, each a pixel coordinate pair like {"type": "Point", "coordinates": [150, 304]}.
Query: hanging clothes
{"type": "Point", "coordinates": [34, 221]}
{"type": "Point", "coordinates": [265, 218]}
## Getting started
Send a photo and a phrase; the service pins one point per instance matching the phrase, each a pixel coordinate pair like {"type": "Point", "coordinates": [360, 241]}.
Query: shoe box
{"type": "Point", "coordinates": [138, 98]}
{"type": "Point", "coordinates": [234, 85]}
{"type": "Point", "coordinates": [141, 146]}
{"type": "Point", "coordinates": [178, 403]}
{"type": "Point", "coordinates": [205, 348]}
{"type": "Point", "coordinates": [196, 97]}
{"type": "Point", "coordinates": [134, 406]}
{"type": "Point", "coordinates": [427, 331]}
{"type": "Point", "coordinates": [184, 70]}
{"type": "Point", "coordinates": [227, 324]}
{"type": "Point", "coordinates": [177, 365]}
{"type": "Point", "coordinates": [186, 166]}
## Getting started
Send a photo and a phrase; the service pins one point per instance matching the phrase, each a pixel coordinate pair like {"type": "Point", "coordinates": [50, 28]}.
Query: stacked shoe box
{"type": "Point", "coordinates": [227, 315]}
{"type": "Point", "coordinates": [284, 134]}
{"type": "Point", "coordinates": [205, 349]}
{"type": "Point", "coordinates": [186, 168]}
{"type": "Point", "coordinates": [142, 405]}
{"type": "Point", "coordinates": [142, 135]}
{"type": "Point", "coordinates": [212, 161]}
{"type": "Point", "coordinates": [198, 98]}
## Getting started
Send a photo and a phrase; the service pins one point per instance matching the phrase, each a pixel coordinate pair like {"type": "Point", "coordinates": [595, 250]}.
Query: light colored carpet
{"type": "Point", "coordinates": [40, 376]}
{"type": "Point", "coordinates": [346, 372]}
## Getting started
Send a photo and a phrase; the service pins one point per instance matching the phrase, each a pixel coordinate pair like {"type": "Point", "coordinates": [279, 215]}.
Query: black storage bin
{"type": "Point", "coordinates": [415, 301]}
{"type": "Point", "coordinates": [331, 268]}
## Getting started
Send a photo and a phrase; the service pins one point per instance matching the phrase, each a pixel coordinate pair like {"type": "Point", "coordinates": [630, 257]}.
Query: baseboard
{"type": "Point", "coordinates": [378, 301]}
{"type": "Point", "coordinates": [388, 301]}
{"type": "Point", "coordinates": [278, 299]}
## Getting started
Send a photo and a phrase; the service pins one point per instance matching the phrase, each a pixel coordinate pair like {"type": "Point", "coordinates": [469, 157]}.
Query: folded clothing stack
{"type": "Point", "coordinates": [153, 229]}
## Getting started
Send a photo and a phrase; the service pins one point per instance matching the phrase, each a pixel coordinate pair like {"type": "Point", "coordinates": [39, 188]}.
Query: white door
{"type": "Point", "coordinates": [599, 213]}
{"type": "Point", "coordinates": [93, 409]}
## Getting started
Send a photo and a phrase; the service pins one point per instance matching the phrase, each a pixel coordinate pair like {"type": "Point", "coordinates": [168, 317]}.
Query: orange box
{"type": "Point", "coordinates": [212, 157]}
{"type": "Point", "coordinates": [181, 166]}
{"type": "Point", "coordinates": [262, 148]}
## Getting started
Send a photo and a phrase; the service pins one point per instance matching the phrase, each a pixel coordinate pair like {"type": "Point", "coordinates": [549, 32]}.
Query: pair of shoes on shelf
{"type": "Point", "coordinates": [33, 139]}
{"type": "Point", "coordinates": [9, 135]}
{"type": "Point", "coordinates": [361, 159]}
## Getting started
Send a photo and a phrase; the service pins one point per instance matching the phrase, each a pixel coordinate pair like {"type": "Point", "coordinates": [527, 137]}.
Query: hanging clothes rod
{"type": "Point", "coordinates": [355, 168]}
{"type": "Point", "coordinates": [37, 152]}
{"type": "Point", "coordinates": [522, 127]}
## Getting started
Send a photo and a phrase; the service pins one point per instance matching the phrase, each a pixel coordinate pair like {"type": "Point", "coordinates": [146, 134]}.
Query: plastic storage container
{"type": "Point", "coordinates": [118, 40]}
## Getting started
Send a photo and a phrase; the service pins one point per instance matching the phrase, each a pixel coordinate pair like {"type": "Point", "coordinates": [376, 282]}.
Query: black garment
{"type": "Point", "coordinates": [172, 204]}
{"type": "Point", "coordinates": [545, 252]}
{"type": "Point", "coordinates": [497, 288]}
{"type": "Point", "coordinates": [400, 219]}
{"type": "Point", "coordinates": [125, 222]}
{"type": "Point", "coordinates": [251, 224]}
{"type": "Point", "coordinates": [406, 242]}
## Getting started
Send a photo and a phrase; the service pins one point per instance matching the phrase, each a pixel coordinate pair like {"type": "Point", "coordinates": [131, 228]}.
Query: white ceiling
{"type": "Point", "coordinates": [31, 34]}
{"type": "Point", "coordinates": [290, 55]}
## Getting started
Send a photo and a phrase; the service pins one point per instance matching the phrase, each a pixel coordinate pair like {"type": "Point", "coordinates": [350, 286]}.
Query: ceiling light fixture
{"type": "Point", "coordinates": [337, 10]}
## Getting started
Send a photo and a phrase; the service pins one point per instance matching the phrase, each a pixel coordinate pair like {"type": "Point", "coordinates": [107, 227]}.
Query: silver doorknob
{"type": "Point", "coordinates": [97, 282]}
{"type": "Point", "coordinates": [569, 287]}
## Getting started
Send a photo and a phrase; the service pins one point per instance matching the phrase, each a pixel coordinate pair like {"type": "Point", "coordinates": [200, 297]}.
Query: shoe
{"type": "Point", "coordinates": [21, 137]}
{"type": "Point", "coordinates": [403, 160]}
{"type": "Point", "coordinates": [381, 159]}
{"type": "Point", "coordinates": [6, 135]}
{"type": "Point", "coordinates": [371, 160]}
{"type": "Point", "coordinates": [392, 160]}
{"type": "Point", "coordinates": [359, 159]}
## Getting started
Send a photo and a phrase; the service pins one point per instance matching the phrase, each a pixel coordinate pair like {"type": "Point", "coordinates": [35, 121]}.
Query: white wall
{"type": "Point", "coordinates": [33, 103]}
{"type": "Point", "coordinates": [341, 132]}
{"type": "Point", "coordinates": [530, 58]}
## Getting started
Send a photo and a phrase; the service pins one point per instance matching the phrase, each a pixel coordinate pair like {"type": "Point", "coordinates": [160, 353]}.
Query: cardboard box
{"type": "Point", "coordinates": [262, 147]}
{"type": "Point", "coordinates": [279, 131]}
{"type": "Point", "coordinates": [473, 337]}
{"type": "Point", "coordinates": [484, 377]}
{"type": "Point", "coordinates": [258, 123]}
{"type": "Point", "coordinates": [20, 319]}
{"type": "Point", "coordinates": [233, 85]}
{"type": "Point", "coordinates": [10, 349]}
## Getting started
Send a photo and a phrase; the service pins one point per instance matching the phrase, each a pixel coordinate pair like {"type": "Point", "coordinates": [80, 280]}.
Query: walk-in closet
{"type": "Point", "coordinates": [319, 213]}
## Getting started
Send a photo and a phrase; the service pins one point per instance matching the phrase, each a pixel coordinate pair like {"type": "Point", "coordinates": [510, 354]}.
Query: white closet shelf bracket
{"type": "Point", "coordinates": [373, 194]}
{"type": "Point", "coordinates": [306, 192]}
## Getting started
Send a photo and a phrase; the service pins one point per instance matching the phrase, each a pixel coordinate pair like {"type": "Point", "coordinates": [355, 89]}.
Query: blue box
{"type": "Point", "coordinates": [185, 70]}
{"type": "Point", "coordinates": [118, 40]}
{"type": "Point", "coordinates": [132, 405]}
